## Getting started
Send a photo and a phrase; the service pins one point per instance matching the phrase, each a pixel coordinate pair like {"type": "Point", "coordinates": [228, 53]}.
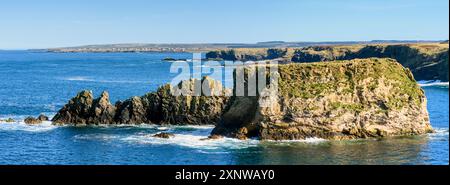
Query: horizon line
{"type": "Point", "coordinates": [228, 43]}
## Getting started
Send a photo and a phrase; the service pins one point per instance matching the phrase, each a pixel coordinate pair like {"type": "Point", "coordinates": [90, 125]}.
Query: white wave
{"type": "Point", "coordinates": [427, 83]}
{"type": "Point", "coordinates": [87, 79]}
{"type": "Point", "coordinates": [103, 137]}
{"type": "Point", "coordinates": [21, 126]}
{"type": "Point", "coordinates": [439, 133]}
{"type": "Point", "coordinates": [163, 128]}
{"type": "Point", "coordinates": [79, 78]}
{"type": "Point", "coordinates": [192, 141]}
{"type": "Point", "coordinates": [307, 140]}
{"type": "Point", "coordinates": [149, 126]}
{"type": "Point", "coordinates": [192, 136]}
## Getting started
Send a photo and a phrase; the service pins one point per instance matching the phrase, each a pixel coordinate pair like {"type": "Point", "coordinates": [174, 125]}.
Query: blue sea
{"type": "Point", "coordinates": [33, 83]}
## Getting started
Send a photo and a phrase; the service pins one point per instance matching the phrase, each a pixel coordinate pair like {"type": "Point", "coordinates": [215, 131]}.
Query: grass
{"type": "Point", "coordinates": [312, 80]}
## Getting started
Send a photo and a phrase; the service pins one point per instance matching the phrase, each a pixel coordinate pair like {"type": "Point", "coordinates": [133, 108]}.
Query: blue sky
{"type": "Point", "coordinates": [56, 23]}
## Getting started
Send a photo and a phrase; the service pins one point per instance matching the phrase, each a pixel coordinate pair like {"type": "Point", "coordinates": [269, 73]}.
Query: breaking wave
{"type": "Point", "coordinates": [186, 136]}
{"type": "Point", "coordinates": [87, 79]}
{"type": "Point", "coordinates": [307, 140]}
{"type": "Point", "coordinates": [439, 134]}
{"type": "Point", "coordinates": [22, 126]}
{"type": "Point", "coordinates": [432, 83]}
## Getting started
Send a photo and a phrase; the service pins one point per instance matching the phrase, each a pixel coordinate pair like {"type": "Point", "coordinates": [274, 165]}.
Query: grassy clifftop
{"type": "Point", "coordinates": [309, 80]}
{"type": "Point", "coordinates": [427, 61]}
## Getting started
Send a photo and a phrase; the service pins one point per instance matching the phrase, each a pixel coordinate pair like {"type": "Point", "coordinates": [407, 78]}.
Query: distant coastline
{"type": "Point", "coordinates": [205, 47]}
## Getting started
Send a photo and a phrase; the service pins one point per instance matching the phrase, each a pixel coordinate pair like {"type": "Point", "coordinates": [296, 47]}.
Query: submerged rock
{"type": "Point", "coordinates": [164, 135]}
{"type": "Point", "coordinates": [32, 121]}
{"type": "Point", "coordinates": [42, 118]}
{"type": "Point", "coordinates": [334, 100]}
{"type": "Point", "coordinates": [9, 120]}
{"type": "Point", "coordinates": [169, 59]}
{"type": "Point", "coordinates": [212, 137]}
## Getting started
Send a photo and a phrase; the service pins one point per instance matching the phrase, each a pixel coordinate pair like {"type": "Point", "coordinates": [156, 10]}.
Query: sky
{"type": "Point", "coordinates": [31, 24]}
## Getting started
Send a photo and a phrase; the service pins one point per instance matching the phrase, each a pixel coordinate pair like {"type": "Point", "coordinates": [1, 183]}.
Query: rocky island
{"type": "Point", "coordinates": [333, 100]}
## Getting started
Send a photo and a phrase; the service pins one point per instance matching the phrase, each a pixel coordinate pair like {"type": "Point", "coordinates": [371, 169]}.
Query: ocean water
{"type": "Point", "coordinates": [32, 83]}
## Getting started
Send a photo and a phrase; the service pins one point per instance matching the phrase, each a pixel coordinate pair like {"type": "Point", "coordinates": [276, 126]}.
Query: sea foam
{"type": "Point", "coordinates": [428, 83]}
{"type": "Point", "coordinates": [87, 79]}
{"type": "Point", "coordinates": [22, 126]}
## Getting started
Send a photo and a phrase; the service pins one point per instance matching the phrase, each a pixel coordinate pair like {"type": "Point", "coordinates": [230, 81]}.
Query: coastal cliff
{"type": "Point", "coordinates": [426, 61]}
{"type": "Point", "coordinates": [334, 100]}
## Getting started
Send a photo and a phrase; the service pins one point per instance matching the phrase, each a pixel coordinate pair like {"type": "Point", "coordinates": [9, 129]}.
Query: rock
{"type": "Point", "coordinates": [102, 111]}
{"type": "Point", "coordinates": [84, 109]}
{"type": "Point", "coordinates": [9, 120]}
{"type": "Point", "coordinates": [32, 121]}
{"type": "Point", "coordinates": [333, 100]}
{"type": "Point", "coordinates": [77, 110]}
{"type": "Point", "coordinates": [43, 118]}
{"type": "Point", "coordinates": [212, 137]}
{"type": "Point", "coordinates": [215, 137]}
{"type": "Point", "coordinates": [169, 59]}
{"type": "Point", "coordinates": [164, 135]}
{"type": "Point", "coordinates": [131, 111]}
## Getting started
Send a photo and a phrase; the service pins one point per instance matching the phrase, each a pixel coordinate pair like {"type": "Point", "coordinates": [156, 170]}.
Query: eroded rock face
{"type": "Point", "coordinates": [160, 107]}
{"type": "Point", "coordinates": [335, 100]}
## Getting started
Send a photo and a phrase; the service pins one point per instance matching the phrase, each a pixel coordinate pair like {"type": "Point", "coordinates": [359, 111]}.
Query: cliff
{"type": "Point", "coordinates": [427, 61]}
{"type": "Point", "coordinates": [333, 100]}
{"type": "Point", "coordinates": [251, 54]}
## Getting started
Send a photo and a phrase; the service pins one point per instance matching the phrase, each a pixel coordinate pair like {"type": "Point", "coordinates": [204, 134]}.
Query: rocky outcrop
{"type": "Point", "coordinates": [84, 109]}
{"type": "Point", "coordinates": [250, 54]}
{"type": "Point", "coordinates": [32, 121]}
{"type": "Point", "coordinates": [332, 100]}
{"type": "Point", "coordinates": [160, 107]}
{"type": "Point", "coordinates": [164, 135]}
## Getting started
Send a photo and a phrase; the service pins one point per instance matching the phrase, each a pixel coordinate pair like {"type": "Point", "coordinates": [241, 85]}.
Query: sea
{"type": "Point", "coordinates": [36, 82]}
